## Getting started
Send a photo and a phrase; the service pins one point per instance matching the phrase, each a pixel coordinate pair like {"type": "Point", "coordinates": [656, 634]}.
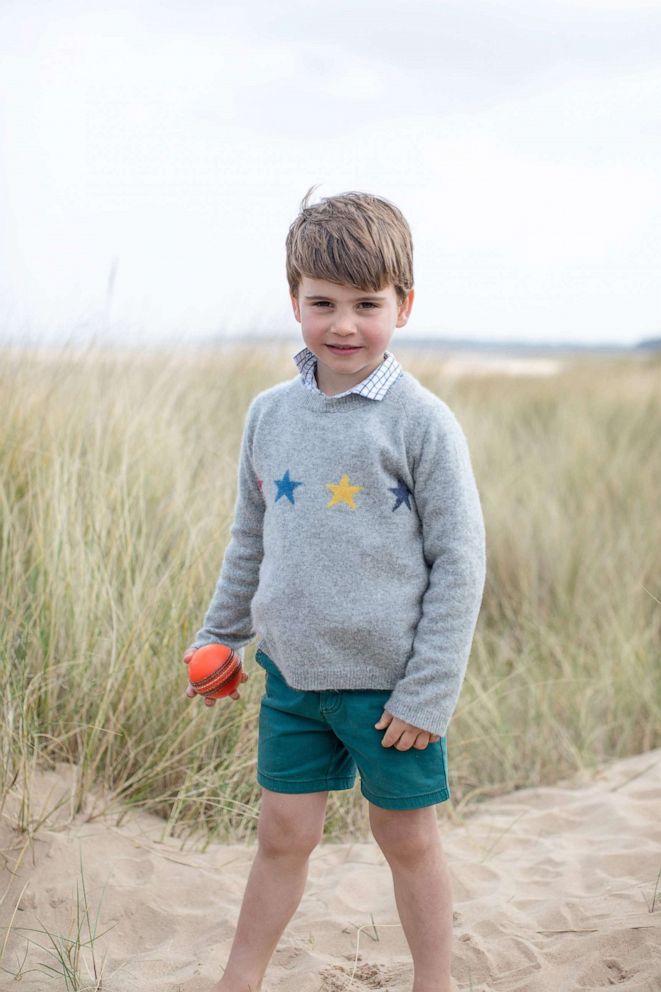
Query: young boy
{"type": "Point", "coordinates": [357, 555]}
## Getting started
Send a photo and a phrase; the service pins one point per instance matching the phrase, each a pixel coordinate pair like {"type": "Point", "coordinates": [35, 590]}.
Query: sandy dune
{"type": "Point", "coordinates": [556, 889]}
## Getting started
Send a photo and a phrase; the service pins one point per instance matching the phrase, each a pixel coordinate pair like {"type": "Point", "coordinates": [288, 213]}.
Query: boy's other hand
{"type": "Point", "coordinates": [403, 735]}
{"type": "Point", "coordinates": [190, 691]}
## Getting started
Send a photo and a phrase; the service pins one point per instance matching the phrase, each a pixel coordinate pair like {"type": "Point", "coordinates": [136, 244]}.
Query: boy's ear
{"type": "Point", "coordinates": [296, 308]}
{"type": "Point", "coordinates": [404, 311]}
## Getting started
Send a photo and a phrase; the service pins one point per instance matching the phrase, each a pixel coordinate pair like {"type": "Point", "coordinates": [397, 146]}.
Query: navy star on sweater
{"type": "Point", "coordinates": [402, 493]}
{"type": "Point", "coordinates": [286, 487]}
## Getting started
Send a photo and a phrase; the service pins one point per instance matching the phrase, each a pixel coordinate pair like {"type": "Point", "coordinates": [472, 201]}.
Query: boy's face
{"type": "Point", "coordinates": [332, 314]}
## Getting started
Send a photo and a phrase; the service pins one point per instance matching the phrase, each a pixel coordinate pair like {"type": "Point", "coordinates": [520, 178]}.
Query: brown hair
{"type": "Point", "coordinates": [357, 239]}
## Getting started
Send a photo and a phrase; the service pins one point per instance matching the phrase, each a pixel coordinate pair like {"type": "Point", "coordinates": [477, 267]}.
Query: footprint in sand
{"type": "Point", "coordinates": [366, 976]}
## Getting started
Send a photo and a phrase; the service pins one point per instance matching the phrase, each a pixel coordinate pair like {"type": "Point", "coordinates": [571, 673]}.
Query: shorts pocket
{"type": "Point", "coordinates": [267, 663]}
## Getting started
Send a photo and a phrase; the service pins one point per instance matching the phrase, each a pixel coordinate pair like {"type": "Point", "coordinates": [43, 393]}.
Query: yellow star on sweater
{"type": "Point", "coordinates": [343, 492]}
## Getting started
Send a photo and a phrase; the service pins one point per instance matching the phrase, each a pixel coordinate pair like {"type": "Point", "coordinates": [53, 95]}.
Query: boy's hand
{"type": "Point", "coordinates": [402, 734]}
{"type": "Point", "coordinates": [190, 691]}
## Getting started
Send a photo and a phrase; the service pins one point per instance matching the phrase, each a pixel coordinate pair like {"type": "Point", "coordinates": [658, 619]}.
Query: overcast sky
{"type": "Point", "coordinates": [154, 153]}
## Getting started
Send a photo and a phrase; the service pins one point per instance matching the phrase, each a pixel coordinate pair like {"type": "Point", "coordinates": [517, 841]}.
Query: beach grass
{"type": "Point", "coordinates": [117, 488]}
{"type": "Point", "coordinates": [72, 958]}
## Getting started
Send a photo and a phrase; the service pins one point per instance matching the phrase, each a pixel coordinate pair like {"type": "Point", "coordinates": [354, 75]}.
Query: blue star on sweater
{"type": "Point", "coordinates": [286, 487]}
{"type": "Point", "coordinates": [402, 494]}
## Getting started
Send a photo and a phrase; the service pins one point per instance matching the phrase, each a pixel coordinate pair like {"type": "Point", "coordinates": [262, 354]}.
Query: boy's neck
{"type": "Point", "coordinates": [335, 388]}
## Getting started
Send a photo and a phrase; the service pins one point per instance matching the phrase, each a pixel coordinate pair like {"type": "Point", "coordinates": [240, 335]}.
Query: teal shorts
{"type": "Point", "coordinates": [314, 741]}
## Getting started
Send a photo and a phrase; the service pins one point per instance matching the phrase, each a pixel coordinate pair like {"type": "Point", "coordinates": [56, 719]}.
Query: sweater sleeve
{"type": "Point", "coordinates": [453, 537]}
{"type": "Point", "coordinates": [228, 617]}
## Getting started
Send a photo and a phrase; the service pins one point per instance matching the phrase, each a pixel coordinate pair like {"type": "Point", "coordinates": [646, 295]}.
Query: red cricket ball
{"type": "Point", "coordinates": [214, 671]}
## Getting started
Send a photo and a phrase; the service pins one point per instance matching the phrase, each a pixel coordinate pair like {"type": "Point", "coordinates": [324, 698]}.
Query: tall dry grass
{"type": "Point", "coordinates": [117, 483]}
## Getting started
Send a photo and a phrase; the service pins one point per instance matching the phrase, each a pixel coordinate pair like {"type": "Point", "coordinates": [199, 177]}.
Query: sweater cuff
{"type": "Point", "coordinates": [231, 642]}
{"type": "Point", "coordinates": [433, 722]}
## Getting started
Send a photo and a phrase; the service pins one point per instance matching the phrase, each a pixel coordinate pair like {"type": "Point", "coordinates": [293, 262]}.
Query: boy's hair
{"type": "Point", "coordinates": [357, 239]}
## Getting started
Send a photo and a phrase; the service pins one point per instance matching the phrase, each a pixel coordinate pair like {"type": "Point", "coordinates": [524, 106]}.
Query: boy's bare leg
{"type": "Point", "coordinates": [410, 841]}
{"type": "Point", "coordinates": [290, 827]}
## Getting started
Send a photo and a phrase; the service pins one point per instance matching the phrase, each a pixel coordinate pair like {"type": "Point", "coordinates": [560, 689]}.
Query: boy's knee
{"type": "Point", "coordinates": [287, 829]}
{"type": "Point", "coordinates": [278, 840]}
{"type": "Point", "coordinates": [404, 835]}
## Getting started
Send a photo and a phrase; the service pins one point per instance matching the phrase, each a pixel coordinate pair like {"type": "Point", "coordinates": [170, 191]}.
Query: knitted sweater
{"type": "Point", "coordinates": [357, 551]}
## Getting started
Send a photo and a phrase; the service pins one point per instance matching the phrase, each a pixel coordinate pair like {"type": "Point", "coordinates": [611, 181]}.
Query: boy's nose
{"type": "Point", "coordinates": [343, 325]}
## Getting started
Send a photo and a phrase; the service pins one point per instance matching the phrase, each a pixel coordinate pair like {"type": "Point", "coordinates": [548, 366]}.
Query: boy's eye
{"type": "Point", "coordinates": [327, 303]}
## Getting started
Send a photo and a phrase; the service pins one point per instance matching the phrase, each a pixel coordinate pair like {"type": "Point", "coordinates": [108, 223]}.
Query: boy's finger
{"type": "Point", "coordinates": [390, 737]}
{"type": "Point", "coordinates": [384, 721]}
{"type": "Point", "coordinates": [406, 741]}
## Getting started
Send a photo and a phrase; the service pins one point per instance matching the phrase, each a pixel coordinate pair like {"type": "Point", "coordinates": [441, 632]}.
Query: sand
{"type": "Point", "coordinates": [556, 889]}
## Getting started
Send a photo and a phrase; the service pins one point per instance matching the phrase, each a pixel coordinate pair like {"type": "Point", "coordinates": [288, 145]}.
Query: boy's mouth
{"type": "Point", "coordinates": [342, 349]}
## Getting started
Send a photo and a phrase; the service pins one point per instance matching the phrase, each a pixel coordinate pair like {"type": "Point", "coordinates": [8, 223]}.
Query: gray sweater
{"type": "Point", "coordinates": [357, 550]}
